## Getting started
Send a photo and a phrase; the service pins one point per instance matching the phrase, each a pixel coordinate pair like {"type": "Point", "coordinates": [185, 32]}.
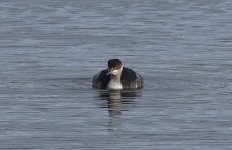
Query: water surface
{"type": "Point", "coordinates": [49, 52]}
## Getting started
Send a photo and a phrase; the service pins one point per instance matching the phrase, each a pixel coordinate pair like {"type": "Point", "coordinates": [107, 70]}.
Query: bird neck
{"type": "Point", "coordinates": [117, 76]}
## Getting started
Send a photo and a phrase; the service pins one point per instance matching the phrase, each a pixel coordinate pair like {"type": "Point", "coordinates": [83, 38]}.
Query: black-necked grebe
{"type": "Point", "coordinates": [117, 77]}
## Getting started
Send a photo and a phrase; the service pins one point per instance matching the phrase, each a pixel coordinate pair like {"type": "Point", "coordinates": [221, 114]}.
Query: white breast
{"type": "Point", "coordinates": [114, 84]}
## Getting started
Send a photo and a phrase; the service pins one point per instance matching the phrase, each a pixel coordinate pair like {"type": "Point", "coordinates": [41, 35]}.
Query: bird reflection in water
{"type": "Point", "coordinates": [117, 101]}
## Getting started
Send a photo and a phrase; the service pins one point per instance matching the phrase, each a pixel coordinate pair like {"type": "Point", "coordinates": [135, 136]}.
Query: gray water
{"type": "Point", "coordinates": [49, 51]}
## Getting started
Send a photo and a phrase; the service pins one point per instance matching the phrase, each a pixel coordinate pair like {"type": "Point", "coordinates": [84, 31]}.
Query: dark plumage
{"type": "Point", "coordinates": [101, 81]}
{"type": "Point", "coordinates": [128, 78]}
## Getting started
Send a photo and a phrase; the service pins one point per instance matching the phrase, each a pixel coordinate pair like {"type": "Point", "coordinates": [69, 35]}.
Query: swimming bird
{"type": "Point", "coordinates": [117, 77]}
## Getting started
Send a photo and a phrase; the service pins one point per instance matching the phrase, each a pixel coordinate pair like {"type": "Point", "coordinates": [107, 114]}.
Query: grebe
{"type": "Point", "coordinates": [117, 77]}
